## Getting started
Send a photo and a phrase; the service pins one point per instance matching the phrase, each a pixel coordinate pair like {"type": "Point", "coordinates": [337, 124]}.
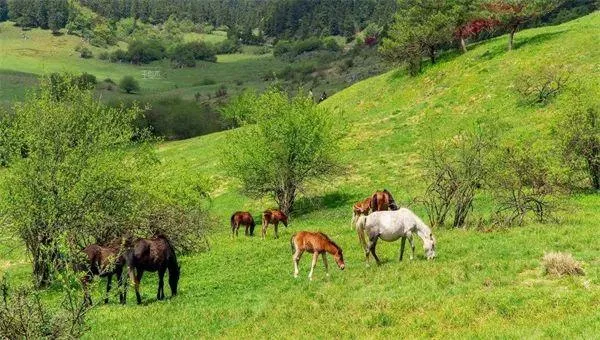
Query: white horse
{"type": "Point", "coordinates": [390, 226]}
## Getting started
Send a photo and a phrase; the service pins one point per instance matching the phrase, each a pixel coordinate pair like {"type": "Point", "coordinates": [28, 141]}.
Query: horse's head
{"type": "Point", "coordinates": [339, 259]}
{"type": "Point", "coordinates": [429, 246]}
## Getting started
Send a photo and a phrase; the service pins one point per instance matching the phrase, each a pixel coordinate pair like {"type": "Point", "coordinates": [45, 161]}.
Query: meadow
{"type": "Point", "coordinates": [482, 284]}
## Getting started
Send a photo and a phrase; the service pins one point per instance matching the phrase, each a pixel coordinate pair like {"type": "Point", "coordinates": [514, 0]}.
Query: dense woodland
{"type": "Point", "coordinates": [276, 18]}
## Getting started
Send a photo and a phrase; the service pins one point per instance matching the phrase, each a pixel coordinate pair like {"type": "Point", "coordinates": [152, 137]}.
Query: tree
{"type": "Point", "coordinates": [129, 84]}
{"type": "Point", "coordinates": [3, 10]}
{"type": "Point", "coordinates": [579, 131]}
{"type": "Point", "coordinates": [76, 180]}
{"type": "Point", "coordinates": [58, 11]}
{"type": "Point", "coordinates": [284, 143]}
{"type": "Point", "coordinates": [515, 13]}
{"type": "Point", "coordinates": [420, 27]}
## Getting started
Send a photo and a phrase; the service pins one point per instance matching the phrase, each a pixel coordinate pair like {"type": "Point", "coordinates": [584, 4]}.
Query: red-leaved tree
{"type": "Point", "coordinates": [472, 29]}
{"type": "Point", "coordinates": [515, 13]}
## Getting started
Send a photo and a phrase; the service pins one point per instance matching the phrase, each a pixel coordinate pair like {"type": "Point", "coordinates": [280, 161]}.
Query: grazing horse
{"type": "Point", "coordinates": [392, 225]}
{"type": "Point", "coordinates": [273, 217]}
{"type": "Point", "coordinates": [383, 200]}
{"type": "Point", "coordinates": [103, 261]}
{"type": "Point", "coordinates": [153, 254]}
{"type": "Point", "coordinates": [242, 218]}
{"type": "Point", "coordinates": [317, 244]}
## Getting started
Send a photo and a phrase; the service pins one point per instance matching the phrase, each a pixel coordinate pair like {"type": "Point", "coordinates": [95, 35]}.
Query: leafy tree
{"type": "Point", "coordinates": [420, 27]}
{"type": "Point", "coordinates": [516, 13]}
{"type": "Point", "coordinates": [76, 181]}
{"type": "Point", "coordinates": [284, 143]}
{"type": "Point", "coordinates": [57, 14]}
{"type": "Point", "coordinates": [129, 84]}
{"type": "Point", "coordinates": [3, 10]}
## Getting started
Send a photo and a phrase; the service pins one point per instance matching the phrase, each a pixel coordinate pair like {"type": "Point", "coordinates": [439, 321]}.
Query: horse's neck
{"type": "Point", "coordinates": [423, 230]}
{"type": "Point", "coordinates": [331, 249]}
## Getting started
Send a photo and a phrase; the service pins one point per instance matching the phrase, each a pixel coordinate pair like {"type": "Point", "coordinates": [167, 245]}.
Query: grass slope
{"type": "Point", "coordinates": [481, 285]}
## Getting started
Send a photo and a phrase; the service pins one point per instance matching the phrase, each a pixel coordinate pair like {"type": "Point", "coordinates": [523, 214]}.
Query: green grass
{"type": "Point", "coordinates": [482, 285]}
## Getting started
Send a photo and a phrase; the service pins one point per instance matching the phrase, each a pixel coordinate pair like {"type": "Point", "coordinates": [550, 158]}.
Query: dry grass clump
{"type": "Point", "coordinates": [559, 264]}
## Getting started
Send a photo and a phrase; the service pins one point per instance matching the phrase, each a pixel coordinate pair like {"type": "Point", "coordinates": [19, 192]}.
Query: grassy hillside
{"type": "Point", "coordinates": [481, 284]}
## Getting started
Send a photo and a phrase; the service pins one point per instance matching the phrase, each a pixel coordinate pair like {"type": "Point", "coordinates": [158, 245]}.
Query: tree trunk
{"type": "Point", "coordinates": [432, 54]}
{"type": "Point", "coordinates": [511, 38]}
{"type": "Point", "coordinates": [463, 45]}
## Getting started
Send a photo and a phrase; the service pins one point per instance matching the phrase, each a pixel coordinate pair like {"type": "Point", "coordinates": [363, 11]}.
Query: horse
{"type": "Point", "coordinates": [383, 200]}
{"type": "Point", "coordinates": [273, 217]}
{"type": "Point", "coordinates": [104, 261]}
{"type": "Point", "coordinates": [242, 218]}
{"type": "Point", "coordinates": [155, 254]}
{"type": "Point", "coordinates": [392, 225]}
{"type": "Point", "coordinates": [318, 244]}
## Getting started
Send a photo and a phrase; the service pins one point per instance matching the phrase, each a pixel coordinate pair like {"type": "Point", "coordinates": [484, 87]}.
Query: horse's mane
{"type": "Point", "coordinates": [330, 240]}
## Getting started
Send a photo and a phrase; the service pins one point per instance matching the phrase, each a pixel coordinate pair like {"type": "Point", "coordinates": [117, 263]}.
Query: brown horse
{"type": "Point", "coordinates": [383, 200]}
{"type": "Point", "coordinates": [363, 207]}
{"type": "Point", "coordinates": [242, 218]}
{"type": "Point", "coordinates": [104, 261]}
{"type": "Point", "coordinates": [317, 244]}
{"type": "Point", "coordinates": [153, 254]}
{"type": "Point", "coordinates": [273, 217]}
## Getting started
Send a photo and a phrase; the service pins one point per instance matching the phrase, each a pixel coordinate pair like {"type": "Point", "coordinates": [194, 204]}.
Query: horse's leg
{"type": "Point", "coordinates": [402, 243]}
{"type": "Point", "coordinates": [136, 278]}
{"type": "Point", "coordinates": [312, 266]}
{"type": "Point", "coordinates": [119, 272]}
{"type": "Point", "coordinates": [161, 283]}
{"type": "Point", "coordinates": [372, 245]}
{"type": "Point", "coordinates": [264, 230]}
{"type": "Point", "coordinates": [246, 230]}
{"type": "Point", "coordinates": [108, 284]}
{"type": "Point", "coordinates": [412, 247]}
{"type": "Point", "coordinates": [325, 263]}
{"type": "Point", "coordinates": [296, 258]}
{"type": "Point", "coordinates": [276, 227]}
{"type": "Point", "coordinates": [87, 298]}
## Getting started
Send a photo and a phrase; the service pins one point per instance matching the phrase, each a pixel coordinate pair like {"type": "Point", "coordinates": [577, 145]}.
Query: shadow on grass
{"type": "Point", "coordinates": [332, 200]}
{"type": "Point", "coordinates": [537, 39]}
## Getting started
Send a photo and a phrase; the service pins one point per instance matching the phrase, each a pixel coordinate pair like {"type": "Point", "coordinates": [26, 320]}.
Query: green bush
{"type": "Point", "coordinates": [145, 51]}
{"type": "Point", "coordinates": [282, 48]}
{"type": "Point", "coordinates": [185, 55]}
{"type": "Point", "coordinates": [104, 55]}
{"type": "Point", "coordinates": [85, 53]}
{"type": "Point", "coordinates": [129, 84]}
{"type": "Point", "coordinates": [227, 47]}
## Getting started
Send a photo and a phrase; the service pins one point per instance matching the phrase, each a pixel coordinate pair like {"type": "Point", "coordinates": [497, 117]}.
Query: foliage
{"type": "Point", "coordinates": [24, 315]}
{"type": "Point", "coordinates": [539, 85]}
{"type": "Point", "coordinates": [227, 46]}
{"type": "Point", "coordinates": [129, 84]}
{"type": "Point", "coordinates": [78, 174]}
{"type": "Point", "coordinates": [185, 55]}
{"type": "Point", "coordinates": [515, 13]}
{"type": "Point", "coordinates": [454, 172]}
{"type": "Point", "coordinates": [284, 143]}
{"type": "Point", "coordinates": [85, 53]}
{"type": "Point", "coordinates": [522, 182]}
{"type": "Point", "coordinates": [420, 27]}
{"type": "Point", "coordinates": [145, 51]}
{"type": "Point", "coordinates": [578, 130]}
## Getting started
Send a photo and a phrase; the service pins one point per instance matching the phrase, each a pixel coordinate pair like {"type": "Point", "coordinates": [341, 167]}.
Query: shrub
{"type": "Point", "coordinates": [560, 264]}
{"type": "Point", "coordinates": [119, 55]}
{"type": "Point", "coordinates": [227, 47]}
{"type": "Point", "coordinates": [283, 48]}
{"type": "Point", "coordinates": [540, 85]}
{"type": "Point", "coordinates": [307, 45]}
{"type": "Point", "coordinates": [145, 51]}
{"type": "Point", "coordinates": [221, 91]}
{"type": "Point", "coordinates": [86, 80]}
{"type": "Point", "coordinates": [206, 81]}
{"type": "Point", "coordinates": [185, 55]}
{"type": "Point", "coordinates": [578, 131]}
{"type": "Point", "coordinates": [129, 84]}
{"type": "Point", "coordinates": [109, 81]}
{"type": "Point", "coordinates": [521, 182]}
{"type": "Point", "coordinates": [454, 172]}
{"type": "Point", "coordinates": [331, 45]}
{"type": "Point", "coordinates": [104, 55]}
{"type": "Point", "coordinates": [85, 53]}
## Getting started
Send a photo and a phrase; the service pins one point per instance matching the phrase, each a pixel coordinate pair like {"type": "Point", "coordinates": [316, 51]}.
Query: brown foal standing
{"type": "Point", "coordinates": [317, 244]}
{"type": "Point", "coordinates": [273, 217]}
{"type": "Point", "coordinates": [242, 218]}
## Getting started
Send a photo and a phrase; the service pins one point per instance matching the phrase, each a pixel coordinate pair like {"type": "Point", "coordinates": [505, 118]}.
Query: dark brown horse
{"type": "Point", "coordinates": [317, 244]}
{"type": "Point", "coordinates": [273, 217]}
{"type": "Point", "coordinates": [242, 218]}
{"type": "Point", "coordinates": [104, 261]}
{"type": "Point", "coordinates": [383, 200]}
{"type": "Point", "coordinates": [155, 254]}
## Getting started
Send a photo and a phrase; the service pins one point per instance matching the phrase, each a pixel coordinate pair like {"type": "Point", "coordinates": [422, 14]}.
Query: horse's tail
{"type": "Point", "coordinates": [232, 220]}
{"type": "Point", "coordinates": [292, 243]}
{"type": "Point", "coordinates": [252, 225]}
{"type": "Point", "coordinates": [393, 205]}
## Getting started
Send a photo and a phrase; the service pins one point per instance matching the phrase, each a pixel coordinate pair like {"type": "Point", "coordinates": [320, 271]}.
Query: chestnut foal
{"type": "Point", "coordinates": [273, 216]}
{"type": "Point", "coordinates": [317, 244]}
